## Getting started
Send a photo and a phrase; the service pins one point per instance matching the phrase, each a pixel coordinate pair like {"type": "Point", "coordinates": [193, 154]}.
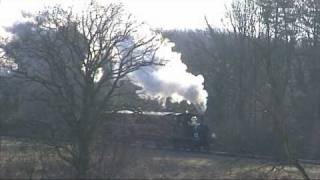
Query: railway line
{"type": "Point", "coordinates": [233, 155]}
{"type": "Point", "coordinates": [150, 128]}
{"type": "Point", "coordinates": [195, 152]}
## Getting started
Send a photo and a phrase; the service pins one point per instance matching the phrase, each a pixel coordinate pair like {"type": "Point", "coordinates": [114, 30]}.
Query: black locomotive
{"type": "Point", "coordinates": [194, 134]}
{"type": "Point", "coordinates": [159, 129]}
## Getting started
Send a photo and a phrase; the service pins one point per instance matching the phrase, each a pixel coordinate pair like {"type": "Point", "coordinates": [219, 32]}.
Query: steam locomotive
{"type": "Point", "coordinates": [159, 129]}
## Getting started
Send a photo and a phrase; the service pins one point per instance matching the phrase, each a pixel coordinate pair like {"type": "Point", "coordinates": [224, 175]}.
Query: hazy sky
{"type": "Point", "coordinates": [166, 14]}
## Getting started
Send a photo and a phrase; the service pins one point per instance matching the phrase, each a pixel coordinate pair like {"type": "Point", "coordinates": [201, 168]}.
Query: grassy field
{"type": "Point", "coordinates": [20, 159]}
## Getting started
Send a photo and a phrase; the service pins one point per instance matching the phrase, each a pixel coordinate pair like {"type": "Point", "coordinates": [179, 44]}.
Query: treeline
{"type": "Point", "coordinates": [262, 73]}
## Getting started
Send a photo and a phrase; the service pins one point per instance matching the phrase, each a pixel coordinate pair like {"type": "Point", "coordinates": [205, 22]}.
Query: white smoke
{"type": "Point", "coordinates": [161, 82]}
{"type": "Point", "coordinates": [170, 80]}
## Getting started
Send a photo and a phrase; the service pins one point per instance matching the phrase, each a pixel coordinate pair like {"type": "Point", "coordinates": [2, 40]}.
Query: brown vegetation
{"type": "Point", "coordinates": [25, 159]}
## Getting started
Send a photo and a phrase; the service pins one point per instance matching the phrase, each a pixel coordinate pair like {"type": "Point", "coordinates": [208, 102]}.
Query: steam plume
{"type": "Point", "coordinates": [171, 80]}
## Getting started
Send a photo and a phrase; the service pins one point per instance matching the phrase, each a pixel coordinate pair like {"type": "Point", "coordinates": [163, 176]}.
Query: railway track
{"type": "Point", "coordinates": [192, 151]}
{"type": "Point", "coordinates": [234, 155]}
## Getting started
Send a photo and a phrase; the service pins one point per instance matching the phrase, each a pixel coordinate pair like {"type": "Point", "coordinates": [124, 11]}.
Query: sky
{"type": "Point", "coordinates": [160, 14]}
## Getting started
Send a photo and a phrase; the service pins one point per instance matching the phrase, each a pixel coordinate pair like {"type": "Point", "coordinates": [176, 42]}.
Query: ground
{"type": "Point", "coordinates": [24, 159]}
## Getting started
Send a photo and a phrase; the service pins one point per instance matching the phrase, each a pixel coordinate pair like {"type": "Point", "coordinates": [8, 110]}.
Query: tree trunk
{"type": "Point", "coordinates": [83, 158]}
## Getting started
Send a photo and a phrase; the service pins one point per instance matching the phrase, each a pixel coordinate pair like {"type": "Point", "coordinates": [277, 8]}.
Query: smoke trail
{"type": "Point", "coordinates": [171, 80]}
{"type": "Point", "coordinates": [161, 82]}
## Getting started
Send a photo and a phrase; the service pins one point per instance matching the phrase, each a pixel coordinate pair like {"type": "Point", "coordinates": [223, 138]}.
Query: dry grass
{"type": "Point", "coordinates": [27, 160]}
{"type": "Point", "coordinates": [20, 159]}
{"type": "Point", "coordinates": [159, 164]}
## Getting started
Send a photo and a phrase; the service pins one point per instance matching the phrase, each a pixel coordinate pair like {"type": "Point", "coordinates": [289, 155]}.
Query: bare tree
{"type": "Point", "coordinates": [77, 60]}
